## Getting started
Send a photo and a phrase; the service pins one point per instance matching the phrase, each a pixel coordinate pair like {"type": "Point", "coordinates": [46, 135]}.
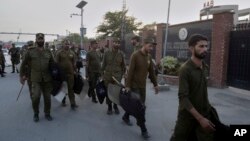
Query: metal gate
{"type": "Point", "coordinates": [239, 59]}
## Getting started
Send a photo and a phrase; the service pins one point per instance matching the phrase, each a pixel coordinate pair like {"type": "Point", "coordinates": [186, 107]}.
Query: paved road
{"type": "Point", "coordinates": [90, 122]}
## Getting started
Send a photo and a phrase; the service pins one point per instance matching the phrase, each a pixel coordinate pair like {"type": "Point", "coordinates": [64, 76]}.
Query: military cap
{"type": "Point", "coordinates": [30, 43]}
{"type": "Point", "coordinates": [39, 35]}
{"type": "Point", "coordinates": [137, 38]}
{"type": "Point", "coordinates": [93, 42]}
{"type": "Point", "coordinates": [149, 41]}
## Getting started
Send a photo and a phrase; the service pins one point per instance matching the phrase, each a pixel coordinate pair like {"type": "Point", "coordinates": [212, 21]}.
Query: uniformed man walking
{"type": "Point", "coordinates": [140, 65]}
{"type": "Point", "coordinates": [2, 62]}
{"type": "Point", "coordinates": [136, 43]}
{"type": "Point", "coordinates": [66, 60]}
{"type": "Point", "coordinates": [30, 46]}
{"type": "Point", "coordinates": [113, 66]}
{"type": "Point", "coordinates": [93, 69]}
{"type": "Point", "coordinates": [39, 60]}
{"type": "Point", "coordinates": [15, 57]}
{"type": "Point", "coordinates": [194, 107]}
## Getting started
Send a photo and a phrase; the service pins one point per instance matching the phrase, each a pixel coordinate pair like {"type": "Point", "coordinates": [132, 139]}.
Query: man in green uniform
{"type": "Point", "coordinates": [93, 69]}
{"type": "Point", "coordinates": [30, 46]}
{"type": "Point", "coordinates": [140, 65]}
{"type": "Point", "coordinates": [66, 60]}
{"type": "Point", "coordinates": [113, 66]}
{"type": "Point", "coordinates": [194, 106]}
{"type": "Point", "coordinates": [39, 60]}
{"type": "Point", "coordinates": [2, 62]}
{"type": "Point", "coordinates": [135, 41]}
{"type": "Point", "coordinates": [15, 57]}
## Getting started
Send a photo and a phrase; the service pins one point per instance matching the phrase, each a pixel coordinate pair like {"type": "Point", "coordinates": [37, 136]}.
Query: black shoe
{"type": "Point", "coordinates": [74, 106]}
{"type": "Point", "coordinates": [94, 100]}
{"type": "Point", "coordinates": [117, 112]}
{"type": "Point", "coordinates": [127, 121]}
{"type": "Point", "coordinates": [12, 72]}
{"type": "Point", "coordinates": [64, 102]}
{"type": "Point", "coordinates": [2, 75]}
{"type": "Point", "coordinates": [36, 118]}
{"type": "Point", "coordinates": [109, 112]}
{"type": "Point", "coordinates": [48, 117]}
{"type": "Point", "coordinates": [145, 135]}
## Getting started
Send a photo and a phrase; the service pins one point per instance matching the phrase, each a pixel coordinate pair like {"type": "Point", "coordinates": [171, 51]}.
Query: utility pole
{"type": "Point", "coordinates": [123, 25]}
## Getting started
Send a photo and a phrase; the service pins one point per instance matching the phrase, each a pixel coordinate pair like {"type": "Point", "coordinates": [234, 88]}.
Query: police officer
{"type": "Point", "coordinates": [194, 112]}
{"type": "Point", "coordinates": [140, 65]}
{"type": "Point", "coordinates": [2, 62]}
{"type": "Point", "coordinates": [39, 59]}
{"type": "Point", "coordinates": [15, 57]}
{"type": "Point", "coordinates": [66, 60]}
{"type": "Point", "coordinates": [93, 69]}
{"type": "Point", "coordinates": [135, 41]}
{"type": "Point", "coordinates": [113, 66]}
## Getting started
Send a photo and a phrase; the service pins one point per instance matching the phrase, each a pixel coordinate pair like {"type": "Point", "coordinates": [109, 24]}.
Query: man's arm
{"type": "Point", "coordinates": [130, 72]}
{"type": "Point", "coordinates": [186, 103]}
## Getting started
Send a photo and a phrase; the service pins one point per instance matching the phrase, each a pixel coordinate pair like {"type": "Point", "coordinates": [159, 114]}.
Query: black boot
{"type": "Point", "coordinates": [74, 106]}
{"type": "Point", "coordinates": [94, 99]}
{"type": "Point", "coordinates": [116, 109]}
{"type": "Point", "coordinates": [36, 118]}
{"type": "Point", "coordinates": [64, 102]}
{"type": "Point", "coordinates": [144, 131]}
{"type": "Point", "coordinates": [109, 112]}
{"type": "Point", "coordinates": [48, 117]}
{"type": "Point", "coordinates": [126, 119]}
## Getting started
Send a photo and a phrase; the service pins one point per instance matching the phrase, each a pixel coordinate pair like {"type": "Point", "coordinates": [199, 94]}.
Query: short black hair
{"type": "Point", "coordinates": [196, 38]}
{"type": "Point", "coordinates": [137, 38]}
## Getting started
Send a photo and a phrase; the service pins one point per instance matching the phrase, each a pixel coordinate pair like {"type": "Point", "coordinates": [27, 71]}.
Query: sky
{"type": "Point", "coordinates": [53, 16]}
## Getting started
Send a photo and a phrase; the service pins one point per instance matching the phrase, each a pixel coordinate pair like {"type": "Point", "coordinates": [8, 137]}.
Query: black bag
{"type": "Point", "coordinates": [57, 78]}
{"type": "Point", "coordinates": [132, 104]}
{"type": "Point", "coordinates": [57, 85]}
{"type": "Point", "coordinates": [79, 64]}
{"type": "Point", "coordinates": [101, 91]}
{"type": "Point", "coordinates": [78, 83]}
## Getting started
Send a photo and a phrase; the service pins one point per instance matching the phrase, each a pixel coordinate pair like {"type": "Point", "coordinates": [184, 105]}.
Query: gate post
{"type": "Point", "coordinates": [221, 27]}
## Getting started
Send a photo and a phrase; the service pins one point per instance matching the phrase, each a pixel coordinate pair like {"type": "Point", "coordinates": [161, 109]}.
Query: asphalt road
{"type": "Point", "coordinates": [90, 121]}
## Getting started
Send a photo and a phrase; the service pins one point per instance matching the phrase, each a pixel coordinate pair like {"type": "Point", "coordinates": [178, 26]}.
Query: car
{"type": "Point", "coordinates": [83, 54]}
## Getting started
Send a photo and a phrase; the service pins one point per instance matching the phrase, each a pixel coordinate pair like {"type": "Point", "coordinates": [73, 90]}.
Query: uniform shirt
{"type": "Point", "coordinates": [39, 61]}
{"type": "Point", "coordinates": [140, 65]}
{"type": "Point", "coordinates": [66, 59]}
{"type": "Point", "coordinates": [2, 58]}
{"type": "Point", "coordinates": [138, 47]}
{"type": "Point", "coordinates": [113, 63]}
{"type": "Point", "coordinates": [93, 62]}
{"type": "Point", "coordinates": [193, 88]}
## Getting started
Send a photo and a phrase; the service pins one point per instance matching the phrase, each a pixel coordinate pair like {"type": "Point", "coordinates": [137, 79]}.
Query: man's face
{"type": "Point", "coordinates": [133, 42]}
{"type": "Point", "coordinates": [148, 47]}
{"type": "Point", "coordinates": [66, 45]}
{"type": "Point", "coordinates": [200, 50]}
{"type": "Point", "coordinates": [116, 45]}
{"type": "Point", "coordinates": [40, 42]}
{"type": "Point", "coordinates": [94, 46]}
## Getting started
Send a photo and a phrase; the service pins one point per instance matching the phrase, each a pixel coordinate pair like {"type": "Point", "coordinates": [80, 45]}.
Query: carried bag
{"type": "Point", "coordinates": [78, 83]}
{"type": "Point", "coordinates": [101, 91]}
{"type": "Point", "coordinates": [79, 64]}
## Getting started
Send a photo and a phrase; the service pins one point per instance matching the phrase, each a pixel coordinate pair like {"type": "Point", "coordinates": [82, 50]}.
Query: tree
{"type": "Point", "coordinates": [111, 26]}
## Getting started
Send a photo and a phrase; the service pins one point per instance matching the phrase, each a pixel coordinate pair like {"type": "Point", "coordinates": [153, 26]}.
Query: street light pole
{"type": "Point", "coordinates": [165, 44]}
{"type": "Point", "coordinates": [81, 30]}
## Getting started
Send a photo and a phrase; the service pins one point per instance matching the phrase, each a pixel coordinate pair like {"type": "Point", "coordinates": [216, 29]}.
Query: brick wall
{"type": "Point", "coordinates": [222, 25]}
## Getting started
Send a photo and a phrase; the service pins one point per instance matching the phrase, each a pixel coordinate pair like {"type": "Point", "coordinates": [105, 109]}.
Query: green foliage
{"type": "Point", "coordinates": [111, 26]}
{"type": "Point", "coordinates": [171, 65]}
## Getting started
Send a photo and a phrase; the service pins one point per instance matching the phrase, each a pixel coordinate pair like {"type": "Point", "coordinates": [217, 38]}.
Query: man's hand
{"type": "Point", "coordinates": [127, 89]}
{"type": "Point", "coordinates": [22, 80]}
{"type": "Point", "coordinates": [156, 89]}
{"type": "Point", "coordinates": [207, 125]}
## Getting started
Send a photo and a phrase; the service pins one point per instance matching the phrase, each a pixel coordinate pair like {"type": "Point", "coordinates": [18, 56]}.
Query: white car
{"type": "Point", "coordinates": [7, 57]}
